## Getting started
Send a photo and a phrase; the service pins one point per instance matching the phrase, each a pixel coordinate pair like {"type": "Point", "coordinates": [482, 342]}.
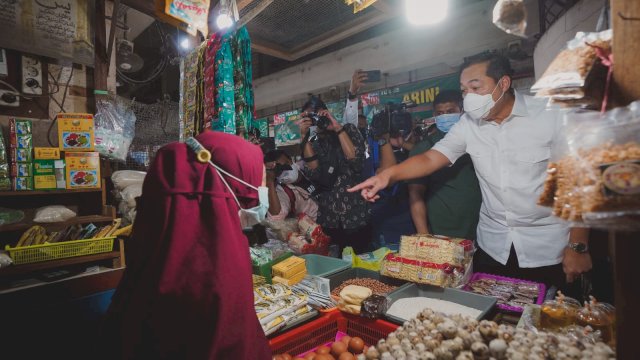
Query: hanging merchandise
{"type": "Point", "coordinates": [210, 109]}
{"type": "Point", "coordinates": [225, 121]}
{"type": "Point", "coordinates": [115, 125]}
{"type": "Point", "coordinates": [242, 76]}
{"type": "Point", "coordinates": [189, 76]}
{"type": "Point", "coordinates": [511, 16]}
{"type": "Point", "coordinates": [194, 13]}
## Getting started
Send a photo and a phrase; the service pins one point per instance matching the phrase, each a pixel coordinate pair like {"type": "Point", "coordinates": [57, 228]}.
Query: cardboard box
{"type": "Point", "coordinates": [20, 155]}
{"type": "Point", "coordinates": [75, 132]}
{"type": "Point", "coordinates": [46, 153]}
{"type": "Point", "coordinates": [49, 174]}
{"type": "Point", "coordinates": [82, 170]}
{"type": "Point", "coordinates": [22, 183]}
{"type": "Point", "coordinates": [21, 169]}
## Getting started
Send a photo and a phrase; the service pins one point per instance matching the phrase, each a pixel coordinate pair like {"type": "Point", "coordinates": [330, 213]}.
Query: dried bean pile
{"type": "Point", "coordinates": [376, 286]}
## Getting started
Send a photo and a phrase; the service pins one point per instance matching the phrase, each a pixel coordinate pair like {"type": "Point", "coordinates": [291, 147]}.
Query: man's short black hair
{"type": "Point", "coordinates": [314, 103]}
{"type": "Point", "coordinates": [360, 116]}
{"type": "Point", "coordinates": [448, 96]}
{"type": "Point", "coordinates": [498, 65]}
{"type": "Point", "coordinates": [274, 155]}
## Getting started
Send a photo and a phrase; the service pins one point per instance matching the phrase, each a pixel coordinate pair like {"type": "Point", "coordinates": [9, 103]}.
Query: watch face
{"type": "Point", "coordinates": [579, 247]}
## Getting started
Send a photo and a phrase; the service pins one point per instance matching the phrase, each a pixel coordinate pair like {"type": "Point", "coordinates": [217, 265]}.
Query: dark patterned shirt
{"type": "Point", "coordinates": [338, 209]}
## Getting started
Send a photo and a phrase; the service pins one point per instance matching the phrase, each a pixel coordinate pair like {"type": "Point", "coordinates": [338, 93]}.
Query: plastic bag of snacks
{"type": "Point", "coordinates": [569, 70]}
{"type": "Point", "coordinates": [598, 182]}
{"type": "Point", "coordinates": [54, 213]}
{"type": "Point", "coordinates": [510, 16]}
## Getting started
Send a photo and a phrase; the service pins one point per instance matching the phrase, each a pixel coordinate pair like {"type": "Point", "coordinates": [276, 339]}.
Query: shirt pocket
{"type": "Point", "coordinates": [530, 165]}
{"type": "Point", "coordinates": [482, 160]}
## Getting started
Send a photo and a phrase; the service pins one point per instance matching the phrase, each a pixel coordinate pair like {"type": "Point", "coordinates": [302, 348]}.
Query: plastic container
{"type": "Point", "coordinates": [323, 265]}
{"type": "Point", "coordinates": [542, 289]}
{"type": "Point", "coordinates": [336, 279]}
{"type": "Point", "coordinates": [324, 329]}
{"type": "Point", "coordinates": [67, 249]}
{"type": "Point", "coordinates": [265, 269]}
{"type": "Point", "coordinates": [480, 302]}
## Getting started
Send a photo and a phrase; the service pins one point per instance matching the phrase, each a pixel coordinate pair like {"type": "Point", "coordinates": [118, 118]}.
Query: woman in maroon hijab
{"type": "Point", "coordinates": [187, 290]}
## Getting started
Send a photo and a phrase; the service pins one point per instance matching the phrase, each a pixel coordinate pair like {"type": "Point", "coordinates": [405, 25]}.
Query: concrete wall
{"type": "Point", "coordinates": [434, 51]}
{"type": "Point", "coordinates": [581, 17]}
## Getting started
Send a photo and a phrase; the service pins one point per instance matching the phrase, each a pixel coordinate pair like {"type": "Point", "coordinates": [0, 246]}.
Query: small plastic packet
{"type": "Point", "coordinates": [374, 307]}
{"type": "Point", "coordinates": [115, 126]}
{"type": "Point", "coordinates": [511, 16]}
{"type": "Point", "coordinates": [10, 216]}
{"type": "Point", "coordinates": [123, 178]}
{"type": "Point", "coordinates": [53, 213]}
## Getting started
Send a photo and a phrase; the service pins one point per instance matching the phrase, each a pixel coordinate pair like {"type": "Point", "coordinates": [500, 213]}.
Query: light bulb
{"type": "Point", "coordinates": [185, 43]}
{"type": "Point", "coordinates": [224, 20]}
{"type": "Point", "coordinates": [426, 12]}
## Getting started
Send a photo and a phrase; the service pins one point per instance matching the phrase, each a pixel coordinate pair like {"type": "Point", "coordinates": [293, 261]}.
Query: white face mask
{"type": "Point", "coordinates": [290, 176]}
{"type": "Point", "coordinates": [248, 217]}
{"type": "Point", "coordinates": [479, 106]}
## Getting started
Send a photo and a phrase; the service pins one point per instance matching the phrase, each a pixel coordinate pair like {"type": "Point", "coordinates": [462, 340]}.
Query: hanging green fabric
{"type": "Point", "coordinates": [225, 103]}
{"type": "Point", "coordinates": [242, 74]}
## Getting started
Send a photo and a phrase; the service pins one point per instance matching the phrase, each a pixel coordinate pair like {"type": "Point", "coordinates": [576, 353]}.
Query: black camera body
{"type": "Point", "coordinates": [393, 120]}
{"type": "Point", "coordinates": [322, 122]}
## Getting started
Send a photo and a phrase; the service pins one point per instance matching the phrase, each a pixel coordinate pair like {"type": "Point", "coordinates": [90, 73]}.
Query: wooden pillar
{"type": "Point", "coordinates": [101, 67]}
{"type": "Point", "coordinates": [626, 246]}
{"type": "Point", "coordinates": [626, 48]}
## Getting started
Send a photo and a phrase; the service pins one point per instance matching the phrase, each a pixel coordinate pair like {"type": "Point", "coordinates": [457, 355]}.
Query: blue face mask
{"type": "Point", "coordinates": [445, 122]}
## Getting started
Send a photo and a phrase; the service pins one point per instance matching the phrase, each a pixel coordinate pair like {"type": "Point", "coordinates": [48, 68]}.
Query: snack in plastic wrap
{"type": "Point", "coordinates": [510, 16]}
{"type": "Point", "coordinates": [52, 214]}
{"type": "Point", "coordinates": [419, 271]}
{"type": "Point", "coordinates": [559, 312]}
{"type": "Point", "coordinates": [572, 65]}
{"type": "Point", "coordinates": [5, 182]}
{"type": "Point", "coordinates": [597, 181]}
{"type": "Point", "coordinates": [5, 259]}
{"type": "Point", "coordinates": [374, 307]}
{"type": "Point", "coordinates": [435, 249]}
{"type": "Point", "coordinates": [114, 128]}
{"type": "Point", "coordinates": [123, 178]}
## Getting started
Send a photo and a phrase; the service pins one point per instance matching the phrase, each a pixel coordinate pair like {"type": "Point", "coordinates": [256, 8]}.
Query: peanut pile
{"type": "Point", "coordinates": [376, 286]}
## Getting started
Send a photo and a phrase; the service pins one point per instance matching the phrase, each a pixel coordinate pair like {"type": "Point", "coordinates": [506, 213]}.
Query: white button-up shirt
{"type": "Point", "coordinates": [510, 160]}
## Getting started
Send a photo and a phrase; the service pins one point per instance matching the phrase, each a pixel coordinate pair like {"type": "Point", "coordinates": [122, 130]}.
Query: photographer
{"type": "Point", "coordinates": [334, 160]}
{"type": "Point", "coordinates": [288, 188]}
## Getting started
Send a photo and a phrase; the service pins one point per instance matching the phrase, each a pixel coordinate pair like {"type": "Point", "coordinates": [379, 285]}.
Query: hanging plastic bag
{"type": "Point", "coordinates": [123, 178]}
{"type": "Point", "coordinates": [115, 126]}
{"type": "Point", "coordinates": [510, 16]}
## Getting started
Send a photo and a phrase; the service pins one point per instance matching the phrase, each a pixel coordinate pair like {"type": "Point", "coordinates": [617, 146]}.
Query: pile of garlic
{"type": "Point", "coordinates": [434, 336]}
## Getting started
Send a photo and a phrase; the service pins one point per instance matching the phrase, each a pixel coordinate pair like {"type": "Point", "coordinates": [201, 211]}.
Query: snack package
{"type": "Point", "coordinates": [22, 183]}
{"type": "Point", "coordinates": [52, 214]}
{"type": "Point", "coordinates": [433, 248]}
{"type": "Point", "coordinates": [76, 132]}
{"type": "Point", "coordinates": [510, 16]}
{"type": "Point", "coordinates": [374, 307]}
{"type": "Point", "coordinates": [572, 65]}
{"type": "Point", "coordinates": [10, 216]}
{"type": "Point", "coordinates": [123, 178]}
{"type": "Point", "coordinates": [82, 170]}
{"type": "Point", "coordinates": [597, 182]}
{"type": "Point", "coordinates": [419, 271]}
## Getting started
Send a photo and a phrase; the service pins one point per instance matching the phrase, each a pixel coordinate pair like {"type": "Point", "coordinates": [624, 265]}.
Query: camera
{"type": "Point", "coordinates": [322, 122]}
{"type": "Point", "coordinates": [279, 168]}
{"type": "Point", "coordinates": [393, 120]}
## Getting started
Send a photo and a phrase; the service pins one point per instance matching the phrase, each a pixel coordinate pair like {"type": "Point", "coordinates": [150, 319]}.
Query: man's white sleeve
{"type": "Point", "coordinates": [454, 144]}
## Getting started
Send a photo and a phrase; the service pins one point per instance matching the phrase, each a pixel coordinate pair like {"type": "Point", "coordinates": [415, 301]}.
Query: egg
{"type": "Point", "coordinates": [356, 345]}
{"type": "Point", "coordinates": [338, 348]}
{"type": "Point", "coordinates": [345, 339]}
{"type": "Point", "coordinates": [324, 357]}
{"type": "Point", "coordinates": [323, 349]}
{"type": "Point", "coordinates": [310, 356]}
{"type": "Point", "coordinates": [346, 356]}
{"type": "Point", "coordinates": [286, 357]}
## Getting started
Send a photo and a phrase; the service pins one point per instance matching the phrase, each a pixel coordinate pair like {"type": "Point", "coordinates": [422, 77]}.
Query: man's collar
{"type": "Point", "coordinates": [519, 105]}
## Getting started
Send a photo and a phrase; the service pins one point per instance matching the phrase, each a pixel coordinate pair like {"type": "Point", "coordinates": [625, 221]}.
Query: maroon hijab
{"type": "Point", "coordinates": [187, 290]}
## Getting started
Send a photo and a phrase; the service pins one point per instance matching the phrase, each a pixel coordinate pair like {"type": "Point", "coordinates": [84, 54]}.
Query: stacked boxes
{"type": "Point", "coordinates": [290, 271]}
{"type": "Point", "coordinates": [20, 153]}
{"type": "Point", "coordinates": [82, 170]}
{"type": "Point", "coordinates": [48, 169]}
{"type": "Point", "coordinates": [76, 138]}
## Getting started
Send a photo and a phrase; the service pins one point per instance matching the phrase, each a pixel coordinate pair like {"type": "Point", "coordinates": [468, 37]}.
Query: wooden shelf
{"type": "Point", "coordinates": [76, 220]}
{"type": "Point", "coordinates": [28, 268]}
{"type": "Point", "coordinates": [51, 192]}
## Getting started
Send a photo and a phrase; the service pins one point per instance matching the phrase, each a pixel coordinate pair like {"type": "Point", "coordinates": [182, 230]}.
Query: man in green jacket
{"type": "Point", "coordinates": [446, 202]}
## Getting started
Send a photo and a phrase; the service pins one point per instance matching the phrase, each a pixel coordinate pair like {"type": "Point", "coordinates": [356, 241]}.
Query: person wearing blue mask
{"type": "Point", "coordinates": [446, 202]}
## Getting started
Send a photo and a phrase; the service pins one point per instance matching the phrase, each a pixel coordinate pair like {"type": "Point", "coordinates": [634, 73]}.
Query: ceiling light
{"type": "Point", "coordinates": [224, 19]}
{"type": "Point", "coordinates": [426, 12]}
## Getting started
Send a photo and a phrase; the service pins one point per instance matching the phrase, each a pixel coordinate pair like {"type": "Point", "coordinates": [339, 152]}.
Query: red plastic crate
{"type": "Point", "coordinates": [312, 334]}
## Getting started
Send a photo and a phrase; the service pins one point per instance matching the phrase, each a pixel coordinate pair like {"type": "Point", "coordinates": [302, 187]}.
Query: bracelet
{"type": "Point", "coordinates": [310, 158]}
{"type": "Point", "coordinates": [351, 96]}
{"type": "Point", "coordinates": [340, 131]}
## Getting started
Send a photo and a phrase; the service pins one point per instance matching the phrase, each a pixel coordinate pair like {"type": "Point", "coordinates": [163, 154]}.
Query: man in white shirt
{"type": "Point", "coordinates": [509, 137]}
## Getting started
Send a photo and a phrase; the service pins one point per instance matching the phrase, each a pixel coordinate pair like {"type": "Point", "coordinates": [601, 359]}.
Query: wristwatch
{"type": "Point", "coordinates": [382, 142]}
{"type": "Point", "coordinates": [580, 248]}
